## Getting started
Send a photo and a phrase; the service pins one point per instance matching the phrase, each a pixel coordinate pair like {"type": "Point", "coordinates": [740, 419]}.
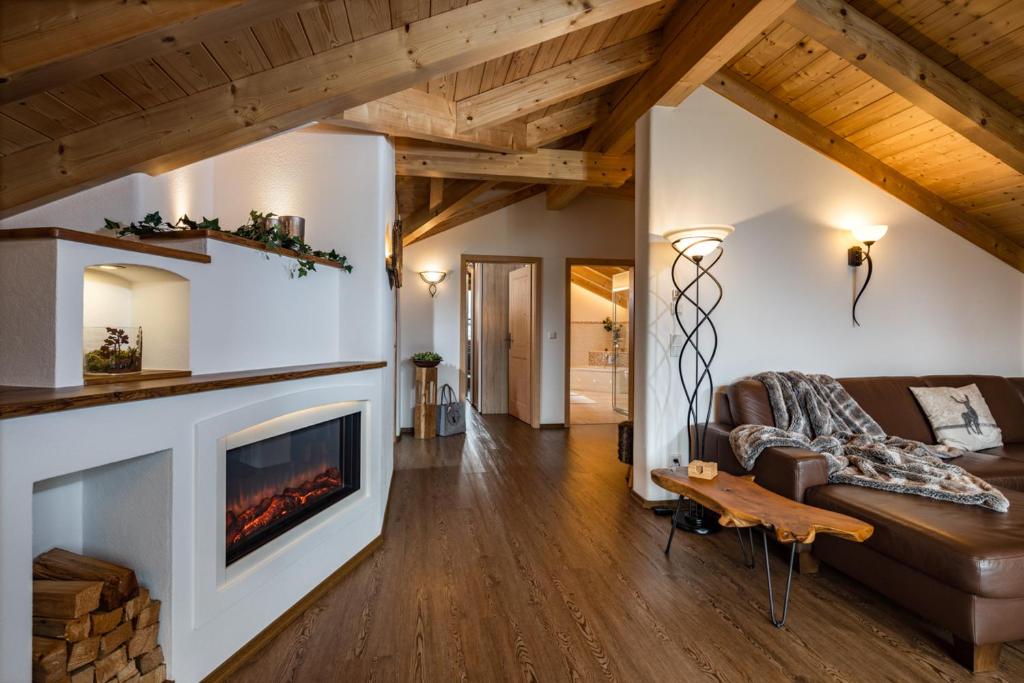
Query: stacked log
{"type": "Point", "coordinates": [92, 623]}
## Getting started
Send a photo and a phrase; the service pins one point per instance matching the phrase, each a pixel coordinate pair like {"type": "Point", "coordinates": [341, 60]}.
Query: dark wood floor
{"type": "Point", "coordinates": [514, 554]}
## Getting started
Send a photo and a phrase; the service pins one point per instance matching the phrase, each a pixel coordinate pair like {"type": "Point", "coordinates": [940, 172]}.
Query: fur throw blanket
{"type": "Point", "coordinates": [815, 412]}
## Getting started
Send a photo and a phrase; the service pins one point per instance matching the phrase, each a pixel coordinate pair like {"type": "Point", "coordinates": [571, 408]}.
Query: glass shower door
{"type": "Point", "coordinates": [620, 343]}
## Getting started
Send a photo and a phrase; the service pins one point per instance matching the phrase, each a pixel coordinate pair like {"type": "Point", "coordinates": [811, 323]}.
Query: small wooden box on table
{"type": "Point", "coordinates": [424, 413]}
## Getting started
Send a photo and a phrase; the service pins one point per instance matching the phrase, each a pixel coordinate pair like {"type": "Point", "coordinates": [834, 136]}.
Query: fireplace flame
{"type": "Point", "coordinates": [273, 507]}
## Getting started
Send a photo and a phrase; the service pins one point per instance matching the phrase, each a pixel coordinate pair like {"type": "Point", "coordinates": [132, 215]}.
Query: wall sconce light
{"type": "Point", "coordinates": [433, 278]}
{"type": "Point", "coordinates": [856, 256]}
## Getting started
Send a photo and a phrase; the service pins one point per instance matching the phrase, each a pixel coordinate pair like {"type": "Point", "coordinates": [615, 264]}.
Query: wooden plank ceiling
{"type": "Point", "coordinates": [923, 97]}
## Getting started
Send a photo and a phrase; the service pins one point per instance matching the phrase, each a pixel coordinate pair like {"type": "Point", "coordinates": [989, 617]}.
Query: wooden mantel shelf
{"type": "Point", "coordinates": [101, 240]}
{"type": "Point", "coordinates": [176, 235]}
{"type": "Point", "coordinates": [24, 401]}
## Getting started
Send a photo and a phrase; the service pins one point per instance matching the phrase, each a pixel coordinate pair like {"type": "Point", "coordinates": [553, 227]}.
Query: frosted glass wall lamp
{"type": "Point", "coordinates": [857, 256]}
{"type": "Point", "coordinates": [433, 278]}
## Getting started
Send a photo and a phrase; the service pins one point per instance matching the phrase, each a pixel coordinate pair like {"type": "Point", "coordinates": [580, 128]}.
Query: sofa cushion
{"type": "Point", "coordinates": [889, 401]}
{"type": "Point", "coordinates": [959, 417]}
{"type": "Point", "coordinates": [1018, 383]}
{"type": "Point", "coordinates": [1002, 467]}
{"type": "Point", "coordinates": [1002, 397]}
{"type": "Point", "coordinates": [971, 548]}
{"type": "Point", "coordinates": [748, 403]}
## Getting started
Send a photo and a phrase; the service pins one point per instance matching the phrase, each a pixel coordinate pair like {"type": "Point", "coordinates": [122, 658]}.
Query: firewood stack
{"type": "Point", "coordinates": [92, 623]}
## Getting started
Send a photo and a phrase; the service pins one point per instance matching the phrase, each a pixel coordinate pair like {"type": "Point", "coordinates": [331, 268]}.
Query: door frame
{"type": "Point", "coordinates": [537, 319]}
{"type": "Point", "coordinates": [569, 263]}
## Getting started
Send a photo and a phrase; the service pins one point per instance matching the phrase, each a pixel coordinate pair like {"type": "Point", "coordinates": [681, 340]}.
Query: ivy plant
{"type": "Point", "coordinates": [151, 223]}
{"type": "Point", "coordinates": [257, 229]}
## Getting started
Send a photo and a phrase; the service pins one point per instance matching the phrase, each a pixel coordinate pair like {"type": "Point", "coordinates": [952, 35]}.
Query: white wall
{"type": "Point", "coordinates": [587, 306]}
{"type": "Point", "coordinates": [936, 303]}
{"type": "Point", "coordinates": [246, 313]}
{"type": "Point", "coordinates": [592, 227]}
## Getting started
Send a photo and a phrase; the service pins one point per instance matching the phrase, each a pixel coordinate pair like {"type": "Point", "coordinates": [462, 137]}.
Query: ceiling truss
{"type": "Point", "coordinates": [494, 102]}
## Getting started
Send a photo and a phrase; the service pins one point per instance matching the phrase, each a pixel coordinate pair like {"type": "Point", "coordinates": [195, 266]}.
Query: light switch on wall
{"type": "Point", "coordinates": [552, 335]}
{"type": "Point", "coordinates": [676, 345]}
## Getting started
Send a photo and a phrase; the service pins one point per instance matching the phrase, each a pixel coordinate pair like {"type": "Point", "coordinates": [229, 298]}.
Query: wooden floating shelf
{"type": "Point", "coordinates": [24, 401]}
{"type": "Point", "coordinates": [92, 378]}
{"type": "Point", "coordinates": [101, 240]}
{"type": "Point", "coordinates": [174, 235]}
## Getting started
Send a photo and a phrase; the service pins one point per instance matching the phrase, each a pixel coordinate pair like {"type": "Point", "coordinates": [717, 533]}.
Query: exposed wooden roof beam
{"type": "Point", "coordinates": [814, 135]}
{"type": "Point", "coordinates": [418, 115]}
{"type": "Point", "coordinates": [82, 46]}
{"type": "Point", "coordinates": [626, 191]}
{"type": "Point", "coordinates": [921, 80]}
{"type": "Point", "coordinates": [550, 86]}
{"type": "Point", "coordinates": [579, 278]}
{"type": "Point", "coordinates": [484, 208]}
{"type": "Point", "coordinates": [421, 224]}
{"type": "Point", "coordinates": [436, 193]}
{"type": "Point", "coordinates": [699, 38]}
{"type": "Point", "coordinates": [249, 109]}
{"type": "Point", "coordinates": [556, 166]}
{"type": "Point", "coordinates": [574, 119]}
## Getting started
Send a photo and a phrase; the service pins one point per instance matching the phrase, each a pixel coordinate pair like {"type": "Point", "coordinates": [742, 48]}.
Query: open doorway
{"type": "Point", "coordinates": [598, 341]}
{"type": "Point", "coordinates": [500, 326]}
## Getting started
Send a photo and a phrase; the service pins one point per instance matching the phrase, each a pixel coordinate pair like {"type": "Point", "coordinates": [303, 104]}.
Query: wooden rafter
{"type": "Point", "coordinates": [425, 221]}
{"type": "Point", "coordinates": [484, 208]}
{"type": "Point", "coordinates": [544, 88]}
{"type": "Point", "coordinates": [814, 135]}
{"type": "Point", "coordinates": [698, 39]}
{"type": "Point", "coordinates": [627, 191]}
{"type": "Point", "coordinates": [553, 127]}
{"type": "Point", "coordinates": [249, 109]}
{"type": "Point", "coordinates": [78, 47]}
{"type": "Point", "coordinates": [436, 193]}
{"type": "Point", "coordinates": [592, 280]}
{"type": "Point", "coordinates": [918, 78]}
{"type": "Point", "coordinates": [558, 166]}
{"type": "Point", "coordinates": [418, 115]}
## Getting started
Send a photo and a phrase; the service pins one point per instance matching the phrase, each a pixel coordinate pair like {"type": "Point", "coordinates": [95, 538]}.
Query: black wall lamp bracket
{"type": "Point", "coordinates": [856, 257]}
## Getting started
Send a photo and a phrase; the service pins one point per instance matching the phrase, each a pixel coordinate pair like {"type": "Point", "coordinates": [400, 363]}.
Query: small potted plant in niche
{"type": "Point", "coordinates": [426, 359]}
{"type": "Point", "coordinates": [109, 350]}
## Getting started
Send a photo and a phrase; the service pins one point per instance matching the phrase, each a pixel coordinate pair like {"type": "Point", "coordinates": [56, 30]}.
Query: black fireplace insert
{"type": "Point", "coordinates": [276, 483]}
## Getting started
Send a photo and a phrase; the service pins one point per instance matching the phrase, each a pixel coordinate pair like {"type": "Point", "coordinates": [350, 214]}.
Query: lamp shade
{"type": "Point", "coordinates": [699, 240]}
{"type": "Point", "coordinates": [869, 233]}
{"type": "Point", "coordinates": [433, 277]}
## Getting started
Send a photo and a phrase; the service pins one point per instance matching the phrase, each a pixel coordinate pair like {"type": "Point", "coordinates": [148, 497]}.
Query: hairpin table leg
{"type": "Point", "coordinates": [672, 532]}
{"type": "Point", "coordinates": [747, 547]}
{"type": "Point", "coordinates": [779, 623]}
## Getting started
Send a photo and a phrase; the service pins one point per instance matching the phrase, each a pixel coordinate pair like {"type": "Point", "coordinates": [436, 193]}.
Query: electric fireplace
{"type": "Point", "coordinates": [275, 483]}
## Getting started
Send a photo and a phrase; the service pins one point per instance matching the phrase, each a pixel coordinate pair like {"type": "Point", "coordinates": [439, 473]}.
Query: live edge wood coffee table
{"type": "Point", "coordinates": [742, 504]}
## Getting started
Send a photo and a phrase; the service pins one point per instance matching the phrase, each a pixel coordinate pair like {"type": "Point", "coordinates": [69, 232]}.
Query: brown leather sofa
{"type": "Point", "coordinates": [959, 566]}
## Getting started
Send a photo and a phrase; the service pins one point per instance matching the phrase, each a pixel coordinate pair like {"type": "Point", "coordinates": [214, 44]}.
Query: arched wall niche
{"type": "Point", "coordinates": [129, 296]}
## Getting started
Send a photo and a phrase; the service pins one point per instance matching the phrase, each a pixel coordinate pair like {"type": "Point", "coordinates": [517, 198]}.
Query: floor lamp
{"type": "Point", "coordinates": [701, 247]}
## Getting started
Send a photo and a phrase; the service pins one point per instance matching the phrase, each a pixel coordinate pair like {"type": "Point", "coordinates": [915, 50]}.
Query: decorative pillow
{"type": "Point", "coordinates": [960, 417]}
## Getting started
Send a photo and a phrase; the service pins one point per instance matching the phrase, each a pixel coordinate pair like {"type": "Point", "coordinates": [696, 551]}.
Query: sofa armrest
{"type": "Point", "coordinates": [786, 471]}
{"type": "Point", "coordinates": [790, 471]}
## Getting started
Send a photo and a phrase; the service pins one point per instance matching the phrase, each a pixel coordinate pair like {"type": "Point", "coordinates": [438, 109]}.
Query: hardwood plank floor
{"type": "Point", "coordinates": [515, 554]}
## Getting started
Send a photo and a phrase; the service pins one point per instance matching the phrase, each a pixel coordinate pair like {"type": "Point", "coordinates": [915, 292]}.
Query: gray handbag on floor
{"type": "Point", "coordinates": [451, 413]}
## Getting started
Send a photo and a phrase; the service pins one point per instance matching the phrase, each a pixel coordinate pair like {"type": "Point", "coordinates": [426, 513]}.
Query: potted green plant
{"type": "Point", "coordinates": [426, 359]}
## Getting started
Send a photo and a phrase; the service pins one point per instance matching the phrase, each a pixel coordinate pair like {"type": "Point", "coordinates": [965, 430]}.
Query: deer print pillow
{"type": "Point", "coordinates": [960, 417]}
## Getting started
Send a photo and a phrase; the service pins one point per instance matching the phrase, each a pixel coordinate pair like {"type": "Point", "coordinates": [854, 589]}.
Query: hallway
{"type": "Point", "coordinates": [517, 554]}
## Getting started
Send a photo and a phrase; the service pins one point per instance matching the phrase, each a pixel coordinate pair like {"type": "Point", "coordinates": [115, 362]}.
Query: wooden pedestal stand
{"type": "Point", "coordinates": [424, 413]}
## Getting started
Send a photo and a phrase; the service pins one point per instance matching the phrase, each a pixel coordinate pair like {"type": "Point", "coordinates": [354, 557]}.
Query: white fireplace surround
{"type": "Point", "coordinates": [209, 613]}
{"type": "Point", "coordinates": [219, 586]}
